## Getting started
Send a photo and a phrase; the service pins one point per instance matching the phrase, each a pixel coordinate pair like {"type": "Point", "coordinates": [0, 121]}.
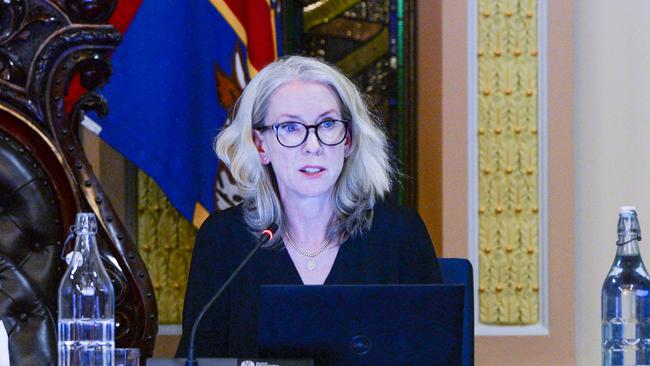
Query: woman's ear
{"type": "Point", "coordinates": [348, 143]}
{"type": "Point", "coordinates": [260, 144]}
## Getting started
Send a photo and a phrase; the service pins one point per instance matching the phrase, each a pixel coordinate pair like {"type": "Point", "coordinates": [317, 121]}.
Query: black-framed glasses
{"type": "Point", "coordinates": [330, 132]}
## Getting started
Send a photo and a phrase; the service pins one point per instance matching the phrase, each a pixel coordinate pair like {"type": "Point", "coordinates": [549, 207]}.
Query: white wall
{"type": "Point", "coordinates": [612, 146]}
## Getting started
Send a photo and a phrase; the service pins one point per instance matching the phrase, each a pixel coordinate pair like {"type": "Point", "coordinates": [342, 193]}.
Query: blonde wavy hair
{"type": "Point", "coordinates": [367, 173]}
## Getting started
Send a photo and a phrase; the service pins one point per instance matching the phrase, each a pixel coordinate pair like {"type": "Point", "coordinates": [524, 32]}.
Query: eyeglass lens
{"type": "Point", "coordinates": [291, 134]}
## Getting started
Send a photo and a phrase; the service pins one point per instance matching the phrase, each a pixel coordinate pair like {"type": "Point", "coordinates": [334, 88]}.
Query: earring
{"type": "Point", "coordinates": [266, 158]}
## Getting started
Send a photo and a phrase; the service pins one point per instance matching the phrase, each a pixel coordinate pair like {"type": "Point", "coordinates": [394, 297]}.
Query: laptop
{"type": "Point", "coordinates": [363, 324]}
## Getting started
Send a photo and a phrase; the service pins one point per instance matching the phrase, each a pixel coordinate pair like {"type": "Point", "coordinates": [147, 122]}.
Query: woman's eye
{"type": "Point", "coordinates": [289, 126]}
{"type": "Point", "coordinates": [327, 124]}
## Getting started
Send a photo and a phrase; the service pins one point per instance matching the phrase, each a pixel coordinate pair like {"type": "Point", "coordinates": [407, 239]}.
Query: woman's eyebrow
{"type": "Point", "coordinates": [286, 115]}
{"type": "Point", "coordinates": [334, 111]}
{"type": "Point", "coordinates": [298, 118]}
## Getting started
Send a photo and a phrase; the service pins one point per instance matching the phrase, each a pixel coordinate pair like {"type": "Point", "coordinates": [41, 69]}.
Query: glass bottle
{"type": "Point", "coordinates": [625, 299]}
{"type": "Point", "coordinates": [86, 303]}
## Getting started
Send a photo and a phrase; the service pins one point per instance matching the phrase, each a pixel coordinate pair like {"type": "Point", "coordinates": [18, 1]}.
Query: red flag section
{"type": "Point", "coordinates": [254, 23]}
{"type": "Point", "coordinates": [124, 14]}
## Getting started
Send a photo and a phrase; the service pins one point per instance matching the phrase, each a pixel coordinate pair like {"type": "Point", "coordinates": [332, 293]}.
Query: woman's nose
{"type": "Point", "coordinates": [312, 145]}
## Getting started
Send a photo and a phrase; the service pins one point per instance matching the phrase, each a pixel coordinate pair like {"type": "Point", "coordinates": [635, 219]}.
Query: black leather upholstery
{"type": "Point", "coordinates": [29, 218]}
{"type": "Point", "coordinates": [26, 318]}
{"type": "Point", "coordinates": [29, 255]}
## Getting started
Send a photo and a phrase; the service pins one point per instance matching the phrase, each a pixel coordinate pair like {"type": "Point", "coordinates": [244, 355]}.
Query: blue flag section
{"type": "Point", "coordinates": [180, 68]}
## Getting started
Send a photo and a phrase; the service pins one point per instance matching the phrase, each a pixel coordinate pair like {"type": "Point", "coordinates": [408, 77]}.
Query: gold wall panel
{"type": "Point", "coordinates": [508, 162]}
{"type": "Point", "coordinates": [165, 240]}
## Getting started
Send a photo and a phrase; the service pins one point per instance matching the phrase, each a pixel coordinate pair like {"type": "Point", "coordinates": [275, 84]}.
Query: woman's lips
{"type": "Point", "coordinates": [312, 171]}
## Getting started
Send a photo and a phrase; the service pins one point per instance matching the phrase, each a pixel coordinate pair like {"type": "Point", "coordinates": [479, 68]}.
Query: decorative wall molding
{"type": "Point", "coordinates": [507, 165]}
{"type": "Point", "coordinates": [165, 240]}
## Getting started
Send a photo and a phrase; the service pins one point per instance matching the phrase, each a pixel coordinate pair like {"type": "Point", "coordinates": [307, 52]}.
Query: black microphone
{"type": "Point", "coordinates": [266, 235]}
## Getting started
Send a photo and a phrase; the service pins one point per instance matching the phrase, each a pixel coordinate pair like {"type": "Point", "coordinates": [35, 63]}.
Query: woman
{"type": "Point", "coordinates": [307, 156]}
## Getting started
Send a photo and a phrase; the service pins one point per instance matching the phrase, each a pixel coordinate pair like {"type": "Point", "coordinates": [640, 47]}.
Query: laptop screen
{"type": "Point", "coordinates": [363, 324]}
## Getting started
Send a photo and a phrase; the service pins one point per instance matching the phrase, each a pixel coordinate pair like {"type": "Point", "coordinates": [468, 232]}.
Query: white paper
{"type": "Point", "coordinates": [91, 125]}
{"type": "Point", "coordinates": [4, 346]}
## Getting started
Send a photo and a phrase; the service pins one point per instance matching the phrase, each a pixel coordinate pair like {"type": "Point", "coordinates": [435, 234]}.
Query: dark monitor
{"type": "Point", "coordinates": [363, 324]}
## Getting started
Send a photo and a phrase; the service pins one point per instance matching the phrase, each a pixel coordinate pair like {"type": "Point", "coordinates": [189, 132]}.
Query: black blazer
{"type": "Point", "coordinates": [397, 249]}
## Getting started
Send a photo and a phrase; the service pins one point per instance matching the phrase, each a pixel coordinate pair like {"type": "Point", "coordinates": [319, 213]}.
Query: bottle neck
{"type": "Point", "coordinates": [631, 248]}
{"type": "Point", "coordinates": [85, 229]}
{"type": "Point", "coordinates": [629, 234]}
{"type": "Point", "coordinates": [86, 244]}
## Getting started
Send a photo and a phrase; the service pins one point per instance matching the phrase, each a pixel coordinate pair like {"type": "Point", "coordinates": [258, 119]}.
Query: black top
{"type": "Point", "coordinates": [397, 249]}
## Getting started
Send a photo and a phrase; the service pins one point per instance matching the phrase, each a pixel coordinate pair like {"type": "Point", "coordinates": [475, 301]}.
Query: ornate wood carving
{"type": "Point", "coordinates": [44, 46]}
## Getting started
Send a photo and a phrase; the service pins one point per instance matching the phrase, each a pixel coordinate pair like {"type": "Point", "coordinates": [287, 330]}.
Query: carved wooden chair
{"type": "Point", "coordinates": [45, 179]}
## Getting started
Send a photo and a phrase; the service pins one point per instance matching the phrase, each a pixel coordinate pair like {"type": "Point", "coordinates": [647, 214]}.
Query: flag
{"type": "Point", "coordinates": [181, 66]}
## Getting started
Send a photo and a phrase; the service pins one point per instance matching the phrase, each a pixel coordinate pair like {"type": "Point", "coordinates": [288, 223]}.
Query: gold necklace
{"type": "Point", "coordinates": [311, 262]}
